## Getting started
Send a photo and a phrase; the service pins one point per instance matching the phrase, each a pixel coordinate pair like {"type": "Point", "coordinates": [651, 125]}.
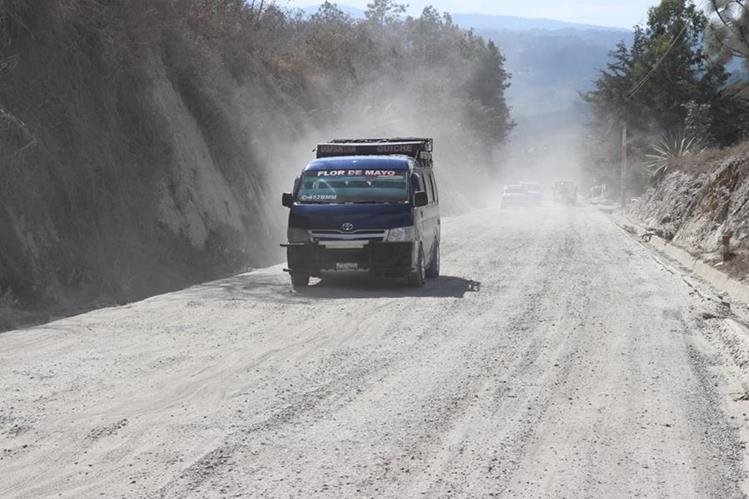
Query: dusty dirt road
{"type": "Point", "coordinates": [556, 357]}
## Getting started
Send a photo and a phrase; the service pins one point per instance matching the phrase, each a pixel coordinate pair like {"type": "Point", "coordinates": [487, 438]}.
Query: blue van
{"type": "Point", "coordinates": [365, 206]}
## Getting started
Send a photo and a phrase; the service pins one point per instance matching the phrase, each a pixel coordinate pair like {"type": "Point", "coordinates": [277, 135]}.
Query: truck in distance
{"type": "Point", "coordinates": [565, 192]}
{"type": "Point", "coordinates": [368, 206]}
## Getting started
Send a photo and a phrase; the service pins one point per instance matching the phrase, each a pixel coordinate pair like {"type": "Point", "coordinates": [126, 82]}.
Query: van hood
{"type": "Point", "coordinates": [362, 216]}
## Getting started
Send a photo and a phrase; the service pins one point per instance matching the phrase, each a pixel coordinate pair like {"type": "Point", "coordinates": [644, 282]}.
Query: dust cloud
{"type": "Point", "coordinates": [547, 158]}
{"type": "Point", "coordinates": [468, 171]}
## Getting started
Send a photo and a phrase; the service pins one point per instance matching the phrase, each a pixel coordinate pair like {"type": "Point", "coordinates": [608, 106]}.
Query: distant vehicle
{"type": "Point", "coordinates": [533, 192]}
{"type": "Point", "coordinates": [565, 192]}
{"type": "Point", "coordinates": [366, 206]}
{"type": "Point", "coordinates": [514, 195]}
{"type": "Point", "coordinates": [522, 194]}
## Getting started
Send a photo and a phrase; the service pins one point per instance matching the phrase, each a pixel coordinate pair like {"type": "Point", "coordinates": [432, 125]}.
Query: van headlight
{"type": "Point", "coordinates": [297, 236]}
{"type": "Point", "coordinates": [401, 235]}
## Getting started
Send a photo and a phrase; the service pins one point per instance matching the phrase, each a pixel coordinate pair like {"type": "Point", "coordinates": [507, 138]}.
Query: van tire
{"type": "Point", "coordinates": [299, 280]}
{"type": "Point", "coordinates": [417, 279]}
{"type": "Point", "coordinates": [433, 271]}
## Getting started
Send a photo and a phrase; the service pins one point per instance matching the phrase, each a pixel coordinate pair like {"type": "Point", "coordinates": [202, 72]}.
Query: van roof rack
{"type": "Point", "coordinates": [428, 143]}
{"type": "Point", "coordinates": [417, 148]}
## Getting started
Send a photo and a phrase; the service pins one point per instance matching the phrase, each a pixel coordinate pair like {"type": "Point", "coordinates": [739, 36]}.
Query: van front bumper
{"type": "Point", "coordinates": [377, 258]}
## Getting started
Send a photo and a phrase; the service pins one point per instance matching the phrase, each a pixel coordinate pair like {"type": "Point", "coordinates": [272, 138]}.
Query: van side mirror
{"type": "Point", "coordinates": [421, 199]}
{"type": "Point", "coordinates": [287, 199]}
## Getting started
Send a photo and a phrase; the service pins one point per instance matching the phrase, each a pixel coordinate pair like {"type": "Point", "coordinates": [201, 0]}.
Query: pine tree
{"type": "Point", "coordinates": [650, 86]}
{"type": "Point", "coordinates": [728, 33]}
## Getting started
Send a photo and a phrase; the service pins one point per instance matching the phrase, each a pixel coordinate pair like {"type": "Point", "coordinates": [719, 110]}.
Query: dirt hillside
{"type": "Point", "coordinates": [702, 198]}
{"type": "Point", "coordinates": [134, 160]}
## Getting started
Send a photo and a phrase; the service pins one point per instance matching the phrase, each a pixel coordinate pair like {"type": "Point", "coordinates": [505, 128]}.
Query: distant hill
{"type": "Point", "coordinates": [550, 67]}
{"type": "Point", "coordinates": [490, 22]}
{"type": "Point", "coordinates": [487, 22]}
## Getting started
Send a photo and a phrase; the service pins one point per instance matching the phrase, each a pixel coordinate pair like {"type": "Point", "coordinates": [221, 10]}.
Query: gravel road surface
{"type": "Point", "coordinates": [556, 357]}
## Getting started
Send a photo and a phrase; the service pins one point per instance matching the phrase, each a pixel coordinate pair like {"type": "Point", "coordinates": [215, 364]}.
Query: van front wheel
{"type": "Point", "coordinates": [416, 279]}
{"type": "Point", "coordinates": [299, 280]}
{"type": "Point", "coordinates": [433, 271]}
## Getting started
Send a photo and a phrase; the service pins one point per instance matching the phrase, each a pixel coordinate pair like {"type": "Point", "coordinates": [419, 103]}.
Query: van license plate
{"type": "Point", "coordinates": [347, 266]}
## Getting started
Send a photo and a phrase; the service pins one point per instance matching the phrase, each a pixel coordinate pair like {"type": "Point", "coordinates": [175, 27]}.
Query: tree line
{"type": "Point", "coordinates": [328, 58]}
{"type": "Point", "coordinates": [321, 62]}
{"type": "Point", "coordinates": [671, 89]}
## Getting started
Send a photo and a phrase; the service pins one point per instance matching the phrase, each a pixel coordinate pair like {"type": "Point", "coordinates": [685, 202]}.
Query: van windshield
{"type": "Point", "coordinates": [353, 186]}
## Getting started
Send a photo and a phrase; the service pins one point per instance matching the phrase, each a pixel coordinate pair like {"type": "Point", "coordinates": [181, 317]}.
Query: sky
{"type": "Point", "coordinates": [614, 13]}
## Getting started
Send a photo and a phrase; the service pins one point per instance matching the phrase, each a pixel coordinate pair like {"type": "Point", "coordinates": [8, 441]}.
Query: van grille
{"type": "Point", "coordinates": [359, 235]}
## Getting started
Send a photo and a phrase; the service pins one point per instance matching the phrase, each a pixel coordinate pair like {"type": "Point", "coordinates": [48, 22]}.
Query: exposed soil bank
{"type": "Point", "coordinates": [128, 168]}
{"type": "Point", "coordinates": [698, 202]}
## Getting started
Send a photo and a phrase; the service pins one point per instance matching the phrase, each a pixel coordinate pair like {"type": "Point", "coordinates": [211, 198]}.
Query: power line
{"type": "Point", "coordinates": [645, 79]}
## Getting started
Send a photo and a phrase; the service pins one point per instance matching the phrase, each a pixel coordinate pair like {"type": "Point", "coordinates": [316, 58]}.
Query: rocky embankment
{"type": "Point", "coordinates": [130, 167]}
{"type": "Point", "coordinates": [701, 200]}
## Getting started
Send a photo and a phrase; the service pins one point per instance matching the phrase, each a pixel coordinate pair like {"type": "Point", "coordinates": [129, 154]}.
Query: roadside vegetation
{"type": "Point", "coordinates": [144, 142]}
{"type": "Point", "coordinates": [670, 91]}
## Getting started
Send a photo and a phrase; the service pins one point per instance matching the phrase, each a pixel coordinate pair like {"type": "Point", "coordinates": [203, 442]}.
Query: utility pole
{"type": "Point", "coordinates": [624, 167]}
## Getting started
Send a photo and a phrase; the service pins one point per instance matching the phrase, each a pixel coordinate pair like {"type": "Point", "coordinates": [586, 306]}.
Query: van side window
{"type": "Point", "coordinates": [418, 184]}
{"type": "Point", "coordinates": [430, 188]}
